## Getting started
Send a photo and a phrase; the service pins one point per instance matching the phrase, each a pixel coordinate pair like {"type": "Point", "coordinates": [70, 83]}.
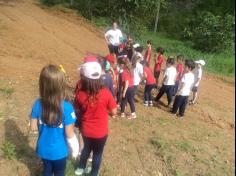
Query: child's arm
{"type": "Point", "coordinates": [180, 88]}
{"type": "Point", "coordinates": [125, 88]}
{"type": "Point", "coordinates": [113, 112]}
{"type": "Point", "coordinates": [148, 54]}
{"type": "Point", "coordinates": [33, 126]}
{"type": "Point", "coordinates": [155, 58]}
{"type": "Point", "coordinates": [197, 81]}
{"type": "Point", "coordinates": [72, 140]}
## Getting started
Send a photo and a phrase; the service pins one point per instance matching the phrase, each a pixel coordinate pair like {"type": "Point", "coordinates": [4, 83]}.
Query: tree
{"type": "Point", "coordinates": [157, 15]}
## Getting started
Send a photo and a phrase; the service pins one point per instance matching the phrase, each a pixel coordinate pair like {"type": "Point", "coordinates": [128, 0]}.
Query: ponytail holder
{"type": "Point", "coordinates": [62, 69]}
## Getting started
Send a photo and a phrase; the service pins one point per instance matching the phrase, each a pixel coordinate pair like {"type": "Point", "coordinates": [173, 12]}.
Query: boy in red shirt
{"type": "Point", "coordinates": [180, 70]}
{"type": "Point", "coordinates": [93, 102]}
{"type": "Point", "coordinates": [150, 84]}
{"type": "Point", "coordinates": [148, 53]}
{"type": "Point", "coordinates": [158, 62]}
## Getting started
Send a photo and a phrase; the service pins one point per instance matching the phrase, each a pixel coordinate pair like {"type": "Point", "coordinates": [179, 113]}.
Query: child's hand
{"type": "Point", "coordinates": [75, 154]}
{"type": "Point", "coordinates": [123, 95]}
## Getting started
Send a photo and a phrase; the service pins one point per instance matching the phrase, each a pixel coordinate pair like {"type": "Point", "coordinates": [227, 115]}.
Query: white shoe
{"type": "Point", "coordinates": [79, 171]}
{"type": "Point", "coordinates": [122, 115]}
{"type": "Point", "coordinates": [145, 103]}
{"type": "Point", "coordinates": [150, 103]}
{"type": "Point", "coordinates": [88, 170]}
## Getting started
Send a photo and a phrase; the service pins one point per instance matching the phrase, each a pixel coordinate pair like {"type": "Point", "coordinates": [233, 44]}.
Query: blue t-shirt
{"type": "Point", "coordinates": [52, 143]}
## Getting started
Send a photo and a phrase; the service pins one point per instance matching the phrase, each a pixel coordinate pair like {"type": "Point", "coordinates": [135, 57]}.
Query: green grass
{"type": "Point", "coordinates": [216, 63]}
{"type": "Point", "coordinates": [7, 91]}
{"type": "Point", "coordinates": [185, 146]}
{"type": "Point", "coordinates": [9, 150]}
{"type": "Point", "coordinates": [70, 167]}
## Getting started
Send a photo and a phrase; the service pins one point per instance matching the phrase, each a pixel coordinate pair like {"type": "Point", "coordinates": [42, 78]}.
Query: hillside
{"type": "Point", "coordinates": [154, 143]}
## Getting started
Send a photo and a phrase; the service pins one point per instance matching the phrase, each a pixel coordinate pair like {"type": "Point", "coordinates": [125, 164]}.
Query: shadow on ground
{"type": "Point", "coordinates": [24, 152]}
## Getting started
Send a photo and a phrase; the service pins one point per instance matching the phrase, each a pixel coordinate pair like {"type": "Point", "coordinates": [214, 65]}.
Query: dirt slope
{"type": "Point", "coordinates": [155, 143]}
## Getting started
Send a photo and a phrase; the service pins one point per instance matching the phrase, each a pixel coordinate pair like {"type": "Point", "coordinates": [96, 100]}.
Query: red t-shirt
{"type": "Point", "coordinates": [147, 55]}
{"type": "Point", "coordinates": [127, 76]}
{"type": "Point", "coordinates": [160, 59]}
{"type": "Point", "coordinates": [94, 114]}
{"type": "Point", "coordinates": [150, 78]}
{"type": "Point", "coordinates": [180, 70]}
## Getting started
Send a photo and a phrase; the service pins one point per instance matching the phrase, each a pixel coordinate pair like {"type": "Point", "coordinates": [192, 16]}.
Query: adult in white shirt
{"type": "Point", "coordinates": [112, 38]}
{"type": "Point", "coordinates": [186, 84]}
{"type": "Point", "coordinates": [168, 81]}
{"type": "Point", "coordinates": [197, 79]}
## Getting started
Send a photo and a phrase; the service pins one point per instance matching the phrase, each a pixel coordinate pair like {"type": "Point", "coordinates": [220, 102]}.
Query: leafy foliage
{"type": "Point", "coordinates": [211, 33]}
{"type": "Point", "coordinates": [202, 22]}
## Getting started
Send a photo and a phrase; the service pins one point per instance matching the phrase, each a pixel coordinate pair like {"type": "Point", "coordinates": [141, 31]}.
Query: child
{"type": "Point", "coordinates": [113, 70]}
{"type": "Point", "coordinates": [138, 71]}
{"type": "Point", "coordinates": [197, 79]}
{"type": "Point", "coordinates": [168, 80]}
{"type": "Point", "coordinates": [54, 118]}
{"type": "Point", "coordinates": [181, 99]}
{"type": "Point", "coordinates": [128, 88]}
{"type": "Point", "coordinates": [119, 80]}
{"type": "Point", "coordinates": [180, 70]}
{"type": "Point", "coordinates": [106, 77]}
{"type": "Point", "coordinates": [94, 102]}
{"type": "Point", "coordinates": [129, 47]}
{"type": "Point", "coordinates": [148, 52]}
{"type": "Point", "coordinates": [158, 62]}
{"type": "Point", "coordinates": [150, 85]}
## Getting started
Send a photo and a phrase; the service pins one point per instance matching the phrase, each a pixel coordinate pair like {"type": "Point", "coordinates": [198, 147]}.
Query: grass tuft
{"type": "Point", "coordinates": [7, 91]}
{"type": "Point", "coordinates": [9, 150]}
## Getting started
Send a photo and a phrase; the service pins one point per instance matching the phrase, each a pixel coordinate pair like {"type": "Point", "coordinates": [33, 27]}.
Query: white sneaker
{"type": "Point", "coordinates": [132, 116]}
{"type": "Point", "coordinates": [88, 170]}
{"type": "Point", "coordinates": [122, 115]}
{"type": "Point", "coordinates": [79, 171]}
{"type": "Point", "coordinates": [150, 103]}
{"type": "Point", "coordinates": [145, 103]}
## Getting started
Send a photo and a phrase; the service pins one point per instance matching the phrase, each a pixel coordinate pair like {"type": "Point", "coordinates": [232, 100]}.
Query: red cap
{"type": "Point", "coordinates": [110, 58]}
{"type": "Point", "coordinates": [90, 59]}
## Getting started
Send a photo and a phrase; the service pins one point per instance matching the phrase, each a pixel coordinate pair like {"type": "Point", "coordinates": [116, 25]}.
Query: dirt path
{"type": "Point", "coordinates": [31, 37]}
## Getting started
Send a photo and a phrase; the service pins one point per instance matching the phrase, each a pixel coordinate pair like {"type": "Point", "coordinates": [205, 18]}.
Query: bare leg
{"type": "Point", "coordinates": [194, 97]}
{"type": "Point", "coordinates": [81, 143]}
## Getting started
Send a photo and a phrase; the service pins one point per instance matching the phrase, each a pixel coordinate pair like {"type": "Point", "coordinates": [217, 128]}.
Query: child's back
{"type": "Point", "coordinates": [52, 143]}
{"type": "Point", "coordinates": [53, 117]}
{"type": "Point", "coordinates": [95, 113]}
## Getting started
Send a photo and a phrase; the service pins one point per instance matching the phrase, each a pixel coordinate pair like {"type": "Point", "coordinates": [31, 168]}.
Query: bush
{"type": "Point", "coordinates": [211, 33]}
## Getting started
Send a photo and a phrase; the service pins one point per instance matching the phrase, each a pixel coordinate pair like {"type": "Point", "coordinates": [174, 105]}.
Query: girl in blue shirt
{"type": "Point", "coordinates": [53, 118]}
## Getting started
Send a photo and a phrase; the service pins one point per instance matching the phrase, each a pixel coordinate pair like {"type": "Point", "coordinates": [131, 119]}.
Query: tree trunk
{"type": "Point", "coordinates": [157, 15]}
{"type": "Point", "coordinates": [71, 3]}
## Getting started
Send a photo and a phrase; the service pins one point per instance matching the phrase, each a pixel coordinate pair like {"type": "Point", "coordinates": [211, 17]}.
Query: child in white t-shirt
{"type": "Point", "coordinates": [197, 79]}
{"type": "Point", "coordinates": [138, 71]}
{"type": "Point", "coordinates": [186, 83]}
{"type": "Point", "coordinates": [168, 81]}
